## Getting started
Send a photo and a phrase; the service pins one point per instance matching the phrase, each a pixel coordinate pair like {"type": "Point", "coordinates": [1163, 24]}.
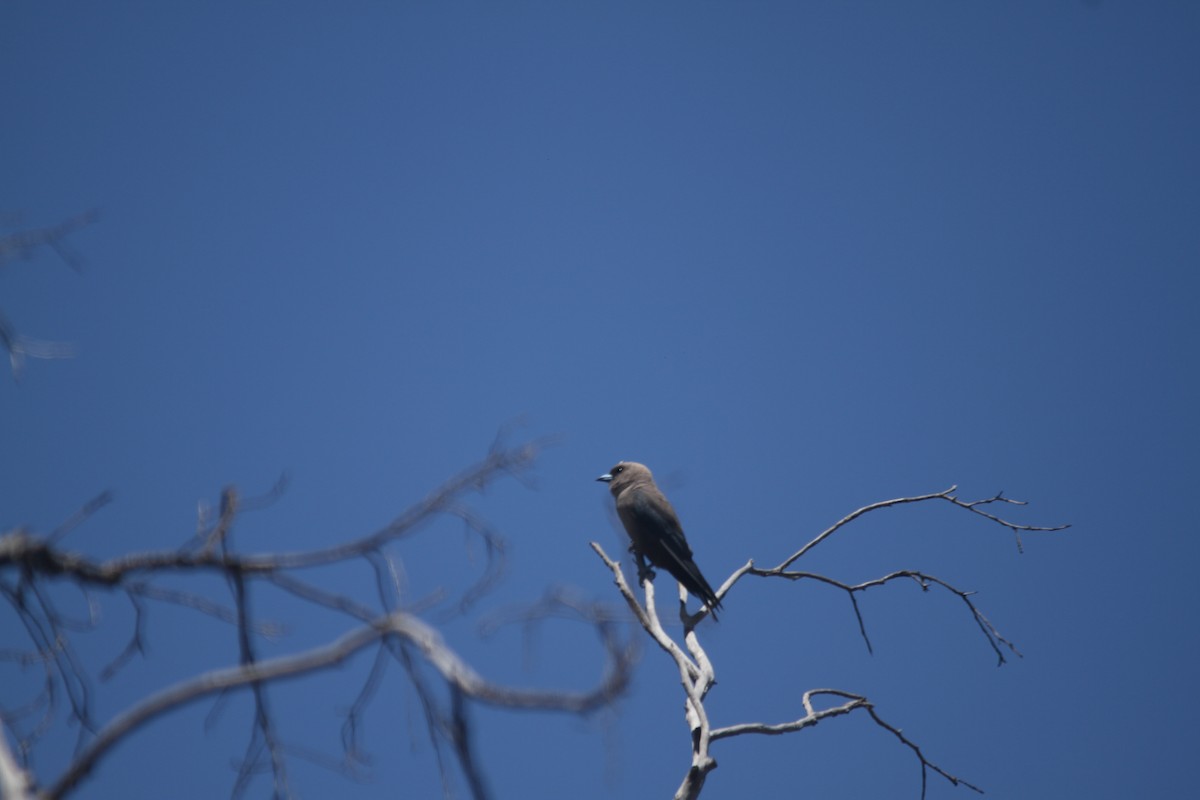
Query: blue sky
{"type": "Point", "coordinates": [797, 257]}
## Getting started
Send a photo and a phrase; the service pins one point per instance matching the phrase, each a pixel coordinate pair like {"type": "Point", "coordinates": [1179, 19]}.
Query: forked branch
{"type": "Point", "coordinates": [30, 564]}
{"type": "Point", "coordinates": [698, 677]}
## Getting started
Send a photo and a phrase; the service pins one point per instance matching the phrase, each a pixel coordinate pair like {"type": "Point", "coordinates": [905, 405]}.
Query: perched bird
{"type": "Point", "coordinates": [654, 529]}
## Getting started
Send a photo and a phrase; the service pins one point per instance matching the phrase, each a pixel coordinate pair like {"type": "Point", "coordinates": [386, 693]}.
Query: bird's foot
{"type": "Point", "coordinates": [645, 573]}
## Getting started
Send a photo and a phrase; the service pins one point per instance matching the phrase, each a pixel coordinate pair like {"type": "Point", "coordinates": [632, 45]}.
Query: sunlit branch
{"type": "Point", "coordinates": [698, 676]}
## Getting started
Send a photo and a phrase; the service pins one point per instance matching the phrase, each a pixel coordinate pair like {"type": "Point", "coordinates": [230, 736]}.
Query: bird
{"type": "Point", "coordinates": [654, 530]}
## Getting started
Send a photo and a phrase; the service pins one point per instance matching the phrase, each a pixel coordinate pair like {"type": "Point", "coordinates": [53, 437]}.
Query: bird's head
{"type": "Point", "coordinates": [626, 473]}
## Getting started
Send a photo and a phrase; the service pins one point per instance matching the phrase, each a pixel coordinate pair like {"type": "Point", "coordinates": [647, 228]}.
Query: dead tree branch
{"type": "Point", "coordinates": [697, 675]}
{"type": "Point", "coordinates": [24, 245]}
{"type": "Point", "coordinates": [31, 564]}
{"type": "Point", "coordinates": [423, 637]}
{"type": "Point", "coordinates": [813, 716]}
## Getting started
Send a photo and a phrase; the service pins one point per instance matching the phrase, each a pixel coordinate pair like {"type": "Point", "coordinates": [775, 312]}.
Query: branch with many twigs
{"type": "Point", "coordinates": [697, 675]}
{"type": "Point", "coordinates": [30, 564]}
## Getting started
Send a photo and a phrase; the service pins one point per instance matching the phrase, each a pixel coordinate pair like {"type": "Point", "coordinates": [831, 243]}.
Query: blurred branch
{"type": "Point", "coordinates": [19, 347]}
{"type": "Point", "coordinates": [15, 783]}
{"type": "Point", "coordinates": [29, 564]}
{"type": "Point", "coordinates": [24, 244]}
{"type": "Point", "coordinates": [426, 640]}
{"type": "Point", "coordinates": [40, 556]}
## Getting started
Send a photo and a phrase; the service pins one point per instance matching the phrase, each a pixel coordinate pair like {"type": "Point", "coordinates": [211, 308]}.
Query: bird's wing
{"type": "Point", "coordinates": [656, 520]}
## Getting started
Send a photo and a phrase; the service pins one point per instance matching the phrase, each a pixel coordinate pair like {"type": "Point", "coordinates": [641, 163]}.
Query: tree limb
{"type": "Point", "coordinates": [697, 674]}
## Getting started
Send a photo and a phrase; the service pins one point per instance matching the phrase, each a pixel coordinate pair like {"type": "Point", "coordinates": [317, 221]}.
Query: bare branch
{"type": "Point", "coordinates": [812, 717]}
{"type": "Point", "coordinates": [79, 517]}
{"type": "Point", "coordinates": [458, 731]}
{"type": "Point", "coordinates": [212, 682]}
{"type": "Point", "coordinates": [924, 580]}
{"type": "Point", "coordinates": [19, 347]}
{"type": "Point", "coordinates": [698, 676]}
{"type": "Point", "coordinates": [351, 745]}
{"type": "Point", "coordinates": [926, 764]}
{"type": "Point", "coordinates": [263, 735]}
{"type": "Point", "coordinates": [225, 516]}
{"type": "Point", "coordinates": [425, 639]}
{"type": "Point", "coordinates": [973, 507]}
{"type": "Point", "coordinates": [15, 783]}
{"type": "Point", "coordinates": [136, 645]}
{"type": "Point", "coordinates": [646, 616]}
{"type": "Point", "coordinates": [270, 630]}
{"type": "Point", "coordinates": [946, 495]}
{"type": "Point", "coordinates": [39, 556]}
{"type": "Point", "coordinates": [37, 562]}
{"type": "Point", "coordinates": [24, 244]}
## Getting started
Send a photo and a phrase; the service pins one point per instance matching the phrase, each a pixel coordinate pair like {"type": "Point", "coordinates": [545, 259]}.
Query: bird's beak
{"type": "Point", "coordinates": [606, 477]}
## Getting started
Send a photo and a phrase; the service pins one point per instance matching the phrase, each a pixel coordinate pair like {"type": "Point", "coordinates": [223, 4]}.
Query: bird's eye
{"type": "Point", "coordinates": [617, 470]}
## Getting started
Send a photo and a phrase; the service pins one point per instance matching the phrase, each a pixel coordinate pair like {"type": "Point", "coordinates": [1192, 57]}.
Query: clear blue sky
{"type": "Point", "coordinates": [797, 257]}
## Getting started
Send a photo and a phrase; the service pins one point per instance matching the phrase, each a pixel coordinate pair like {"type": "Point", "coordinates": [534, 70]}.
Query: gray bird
{"type": "Point", "coordinates": [654, 529]}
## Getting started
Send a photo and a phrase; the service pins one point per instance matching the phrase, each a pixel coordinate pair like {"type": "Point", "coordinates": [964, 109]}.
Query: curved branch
{"type": "Point", "coordinates": [812, 717]}
{"type": "Point", "coordinates": [23, 244]}
{"type": "Point", "coordinates": [922, 579]}
{"type": "Point", "coordinates": [646, 616]}
{"type": "Point", "coordinates": [698, 675]}
{"type": "Point", "coordinates": [972, 506]}
{"type": "Point", "coordinates": [40, 556]}
{"type": "Point", "coordinates": [947, 495]}
{"type": "Point", "coordinates": [426, 640]}
{"type": "Point", "coordinates": [39, 560]}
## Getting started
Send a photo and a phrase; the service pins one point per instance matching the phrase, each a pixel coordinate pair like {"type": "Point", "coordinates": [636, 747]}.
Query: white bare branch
{"type": "Point", "coordinates": [698, 676]}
